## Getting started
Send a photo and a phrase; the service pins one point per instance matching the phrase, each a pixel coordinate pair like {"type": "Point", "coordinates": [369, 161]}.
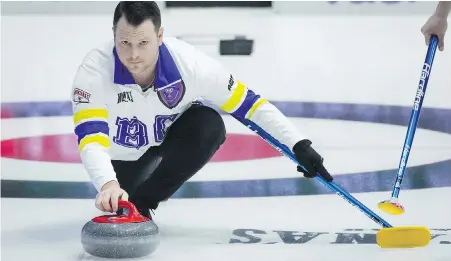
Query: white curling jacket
{"type": "Point", "coordinates": [115, 120]}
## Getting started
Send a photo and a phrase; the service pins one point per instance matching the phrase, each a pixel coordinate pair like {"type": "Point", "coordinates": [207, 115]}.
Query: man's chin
{"type": "Point", "coordinates": [134, 69]}
{"type": "Point", "coordinates": [138, 69]}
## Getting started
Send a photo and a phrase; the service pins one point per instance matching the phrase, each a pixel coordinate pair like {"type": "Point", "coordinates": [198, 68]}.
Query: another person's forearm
{"type": "Point", "coordinates": [443, 9]}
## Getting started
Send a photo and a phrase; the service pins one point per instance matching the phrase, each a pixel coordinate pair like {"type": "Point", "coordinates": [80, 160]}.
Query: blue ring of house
{"type": "Point", "coordinates": [432, 175]}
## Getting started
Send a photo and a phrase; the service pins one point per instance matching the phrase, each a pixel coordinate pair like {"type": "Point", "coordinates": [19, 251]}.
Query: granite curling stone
{"type": "Point", "coordinates": [129, 235]}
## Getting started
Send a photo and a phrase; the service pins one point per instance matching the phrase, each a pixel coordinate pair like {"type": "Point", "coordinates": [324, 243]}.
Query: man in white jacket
{"type": "Point", "coordinates": [140, 116]}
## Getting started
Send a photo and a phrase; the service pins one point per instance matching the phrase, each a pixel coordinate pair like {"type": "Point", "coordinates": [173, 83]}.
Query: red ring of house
{"type": "Point", "coordinates": [64, 149]}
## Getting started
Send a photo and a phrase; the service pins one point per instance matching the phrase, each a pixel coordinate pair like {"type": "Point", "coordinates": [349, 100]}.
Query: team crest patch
{"type": "Point", "coordinates": [172, 95]}
{"type": "Point", "coordinates": [81, 96]}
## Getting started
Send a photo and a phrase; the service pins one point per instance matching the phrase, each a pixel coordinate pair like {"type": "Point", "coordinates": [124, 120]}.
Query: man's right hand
{"type": "Point", "coordinates": [109, 195]}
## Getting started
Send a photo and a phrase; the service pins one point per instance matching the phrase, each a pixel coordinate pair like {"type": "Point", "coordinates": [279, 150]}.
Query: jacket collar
{"type": "Point", "coordinates": [166, 73]}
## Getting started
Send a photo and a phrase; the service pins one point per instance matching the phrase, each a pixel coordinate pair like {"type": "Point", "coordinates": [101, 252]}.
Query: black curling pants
{"type": "Point", "coordinates": [190, 142]}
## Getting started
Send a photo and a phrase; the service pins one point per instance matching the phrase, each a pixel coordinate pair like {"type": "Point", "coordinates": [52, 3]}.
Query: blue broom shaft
{"type": "Point", "coordinates": [331, 185]}
{"type": "Point", "coordinates": [415, 115]}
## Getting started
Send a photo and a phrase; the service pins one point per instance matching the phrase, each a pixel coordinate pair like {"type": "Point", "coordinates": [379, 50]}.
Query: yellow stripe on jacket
{"type": "Point", "coordinates": [92, 127]}
{"type": "Point", "coordinates": [243, 102]}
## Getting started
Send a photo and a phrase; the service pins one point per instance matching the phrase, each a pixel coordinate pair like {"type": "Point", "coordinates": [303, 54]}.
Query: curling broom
{"type": "Point", "coordinates": [392, 206]}
{"type": "Point", "coordinates": [388, 236]}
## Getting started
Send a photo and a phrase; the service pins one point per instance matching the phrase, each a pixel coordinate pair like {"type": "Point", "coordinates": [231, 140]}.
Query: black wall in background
{"type": "Point", "coordinates": [174, 4]}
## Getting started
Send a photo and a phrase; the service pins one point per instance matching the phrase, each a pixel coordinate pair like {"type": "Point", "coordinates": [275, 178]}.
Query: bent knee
{"type": "Point", "coordinates": [211, 125]}
{"type": "Point", "coordinates": [200, 124]}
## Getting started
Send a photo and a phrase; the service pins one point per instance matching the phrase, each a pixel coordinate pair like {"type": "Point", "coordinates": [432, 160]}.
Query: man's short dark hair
{"type": "Point", "coordinates": [136, 12]}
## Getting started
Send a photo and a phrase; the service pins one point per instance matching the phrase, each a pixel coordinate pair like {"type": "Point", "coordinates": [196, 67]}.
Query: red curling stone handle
{"type": "Point", "coordinates": [133, 215]}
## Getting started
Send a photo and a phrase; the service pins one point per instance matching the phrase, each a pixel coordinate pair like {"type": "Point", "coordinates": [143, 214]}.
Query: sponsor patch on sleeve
{"type": "Point", "coordinates": [231, 82]}
{"type": "Point", "coordinates": [81, 96]}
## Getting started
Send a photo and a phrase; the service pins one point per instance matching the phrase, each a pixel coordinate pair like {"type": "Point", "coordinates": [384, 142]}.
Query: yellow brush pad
{"type": "Point", "coordinates": [403, 237]}
{"type": "Point", "coordinates": [391, 207]}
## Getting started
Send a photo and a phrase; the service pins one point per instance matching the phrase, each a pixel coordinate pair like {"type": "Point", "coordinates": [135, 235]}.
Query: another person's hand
{"type": "Point", "coordinates": [437, 24]}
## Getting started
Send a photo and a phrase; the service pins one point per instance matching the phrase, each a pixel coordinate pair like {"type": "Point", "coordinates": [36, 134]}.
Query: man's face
{"type": "Point", "coordinates": [137, 47]}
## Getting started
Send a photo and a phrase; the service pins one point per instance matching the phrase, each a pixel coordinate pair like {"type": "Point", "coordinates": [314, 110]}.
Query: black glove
{"type": "Point", "coordinates": [311, 160]}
